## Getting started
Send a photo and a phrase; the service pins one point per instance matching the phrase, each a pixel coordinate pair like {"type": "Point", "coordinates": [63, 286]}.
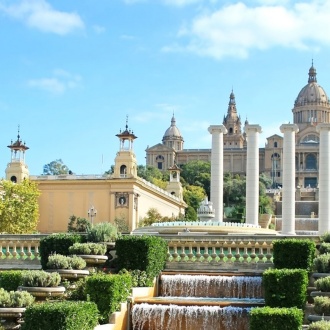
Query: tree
{"type": "Point", "coordinates": [153, 175]}
{"type": "Point", "coordinates": [56, 167]}
{"type": "Point", "coordinates": [19, 208]}
{"type": "Point", "coordinates": [192, 195]}
{"type": "Point", "coordinates": [78, 225]}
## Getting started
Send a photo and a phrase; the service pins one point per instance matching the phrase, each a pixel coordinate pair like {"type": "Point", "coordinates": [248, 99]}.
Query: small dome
{"type": "Point", "coordinates": [172, 131]}
{"type": "Point", "coordinates": [312, 93]}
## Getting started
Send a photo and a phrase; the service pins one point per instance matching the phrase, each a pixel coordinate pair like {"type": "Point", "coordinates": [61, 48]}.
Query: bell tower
{"type": "Point", "coordinates": [125, 161]}
{"type": "Point", "coordinates": [17, 170]}
{"type": "Point", "coordinates": [174, 186]}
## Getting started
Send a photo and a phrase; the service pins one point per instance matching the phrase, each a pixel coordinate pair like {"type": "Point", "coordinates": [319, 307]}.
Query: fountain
{"type": "Point", "coordinates": [199, 301]}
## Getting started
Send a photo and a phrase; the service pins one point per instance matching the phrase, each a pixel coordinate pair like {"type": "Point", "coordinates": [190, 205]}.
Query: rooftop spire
{"type": "Point", "coordinates": [312, 74]}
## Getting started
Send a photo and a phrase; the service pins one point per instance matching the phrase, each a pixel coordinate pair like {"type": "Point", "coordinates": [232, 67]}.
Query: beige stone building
{"type": "Point", "coordinates": [311, 107]}
{"type": "Point", "coordinates": [122, 195]}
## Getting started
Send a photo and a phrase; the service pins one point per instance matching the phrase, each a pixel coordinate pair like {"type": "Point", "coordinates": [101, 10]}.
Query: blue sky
{"type": "Point", "coordinates": [70, 71]}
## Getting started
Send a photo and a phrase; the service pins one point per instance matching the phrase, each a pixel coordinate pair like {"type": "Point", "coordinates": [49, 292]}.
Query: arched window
{"type": "Point", "coordinates": [230, 130]}
{"type": "Point", "coordinates": [123, 171]}
{"type": "Point", "coordinates": [13, 179]}
{"type": "Point", "coordinates": [275, 144]}
{"type": "Point", "coordinates": [311, 162]}
{"type": "Point", "coordinates": [310, 139]}
{"type": "Point", "coordinates": [160, 162]}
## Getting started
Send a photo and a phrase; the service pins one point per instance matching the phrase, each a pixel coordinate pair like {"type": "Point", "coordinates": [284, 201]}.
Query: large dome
{"type": "Point", "coordinates": [312, 93]}
{"type": "Point", "coordinates": [172, 131]}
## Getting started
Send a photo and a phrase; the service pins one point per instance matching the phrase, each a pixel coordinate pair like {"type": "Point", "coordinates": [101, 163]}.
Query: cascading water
{"type": "Point", "coordinates": [199, 302]}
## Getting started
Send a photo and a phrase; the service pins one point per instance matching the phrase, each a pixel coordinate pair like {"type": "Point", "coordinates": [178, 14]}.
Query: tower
{"type": "Point", "coordinates": [17, 170]}
{"type": "Point", "coordinates": [174, 186]}
{"type": "Point", "coordinates": [125, 161]}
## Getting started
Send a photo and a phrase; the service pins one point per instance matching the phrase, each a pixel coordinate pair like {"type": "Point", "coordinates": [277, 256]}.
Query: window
{"type": "Point", "coordinates": [123, 171]}
{"type": "Point", "coordinates": [311, 162]}
{"type": "Point", "coordinates": [275, 144]}
{"type": "Point", "coordinates": [160, 161]}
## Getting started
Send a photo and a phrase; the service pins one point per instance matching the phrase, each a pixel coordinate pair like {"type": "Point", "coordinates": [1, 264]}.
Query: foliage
{"type": "Point", "coordinates": [140, 278]}
{"type": "Point", "coordinates": [267, 318]}
{"type": "Point", "coordinates": [108, 291]}
{"type": "Point", "coordinates": [322, 306]}
{"type": "Point", "coordinates": [121, 223]}
{"type": "Point", "coordinates": [151, 217]}
{"type": "Point", "coordinates": [325, 238]}
{"type": "Point", "coordinates": [322, 263]}
{"type": "Point", "coordinates": [79, 290]}
{"type": "Point", "coordinates": [148, 253]}
{"type": "Point", "coordinates": [58, 261]}
{"type": "Point", "coordinates": [56, 167]}
{"type": "Point", "coordinates": [68, 315]}
{"type": "Point", "coordinates": [40, 278]}
{"type": "Point", "coordinates": [323, 284]}
{"type": "Point", "coordinates": [193, 195]}
{"type": "Point", "coordinates": [324, 248]}
{"type": "Point", "coordinates": [88, 248]}
{"type": "Point", "coordinates": [285, 287]}
{"type": "Point", "coordinates": [150, 173]}
{"type": "Point", "coordinates": [102, 232]}
{"type": "Point", "coordinates": [57, 243]}
{"type": "Point", "coordinates": [294, 253]}
{"type": "Point", "coordinates": [10, 280]}
{"type": "Point", "coordinates": [319, 325]}
{"type": "Point", "coordinates": [19, 208]}
{"type": "Point", "coordinates": [15, 298]}
{"type": "Point", "coordinates": [78, 225]}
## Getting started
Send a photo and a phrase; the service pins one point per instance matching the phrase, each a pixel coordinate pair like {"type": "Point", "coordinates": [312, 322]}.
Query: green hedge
{"type": "Point", "coordinates": [148, 253]}
{"type": "Point", "coordinates": [285, 287]}
{"type": "Point", "coordinates": [10, 280]}
{"type": "Point", "coordinates": [57, 243]}
{"type": "Point", "coordinates": [108, 291]}
{"type": "Point", "coordinates": [267, 318]}
{"type": "Point", "coordinates": [294, 253]}
{"type": "Point", "coordinates": [68, 315]}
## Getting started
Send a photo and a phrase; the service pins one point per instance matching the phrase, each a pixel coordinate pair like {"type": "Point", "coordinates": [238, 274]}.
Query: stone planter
{"type": "Point", "coordinates": [319, 294]}
{"type": "Point", "coordinates": [12, 317]}
{"type": "Point", "coordinates": [43, 293]}
{"type": "Point", "coordinates": [93, 260]}
{"type": "Point", "coordinates": [70, 274]}
{"type": "Point", "coordinates": [314, 318]}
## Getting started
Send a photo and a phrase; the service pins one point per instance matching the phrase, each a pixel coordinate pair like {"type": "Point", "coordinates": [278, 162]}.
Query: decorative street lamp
{"type": "Point", "coordinates": [92, 213]}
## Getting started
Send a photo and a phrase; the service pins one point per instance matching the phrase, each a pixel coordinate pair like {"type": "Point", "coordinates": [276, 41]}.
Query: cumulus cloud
{"type": "Point", "coordinates": [41, 15]}
{"type": "Point", "coordinates": [58, 83]}
{"type": "Point", "coordinates": [236, 29]}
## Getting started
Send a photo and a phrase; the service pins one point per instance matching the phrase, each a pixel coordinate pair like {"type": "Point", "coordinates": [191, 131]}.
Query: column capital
{"type": "Point", "coordinates": [217, 129]}
{"type": "Point", "coordinates": [289, 128]}
{"type": "Point", "coordinates": [322, 127]}
{"type": "Point", "coordinates": [252, 128]}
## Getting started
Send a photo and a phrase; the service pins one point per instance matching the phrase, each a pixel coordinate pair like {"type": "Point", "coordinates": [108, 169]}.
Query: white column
{"type": "Point", "coordinates": [252, 174]}
{"type": "Point", "coordinates": [324, 178]}
{"type": "Point", "coordinates": [217, 132]}
{"type": "Point", "coordinates": [288, 179]}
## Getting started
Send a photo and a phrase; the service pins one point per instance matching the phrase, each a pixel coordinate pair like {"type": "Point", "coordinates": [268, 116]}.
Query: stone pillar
{"type": "Point", "coordinates": [217, 132]}
{"type": "Point", "coordinates": [288, 179]}
{"type": "Point", "coordinates": [324, 178]}
{"type": "Point", "coordinates": [252, 174]}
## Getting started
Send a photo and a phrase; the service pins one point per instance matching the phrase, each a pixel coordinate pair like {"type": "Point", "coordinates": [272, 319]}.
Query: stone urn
{"type": "Point", "coordinates": [42, 293]}
{"type": "Point", "coordinates": [12, 317]}
{"type": "Point", "coordinates": [93, 260]}
{"type": "Point", "coordinates": [70, 274]}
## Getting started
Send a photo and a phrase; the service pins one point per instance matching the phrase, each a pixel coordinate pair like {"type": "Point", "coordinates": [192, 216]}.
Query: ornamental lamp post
{"type": "Point", "coordinates": [92, 213]}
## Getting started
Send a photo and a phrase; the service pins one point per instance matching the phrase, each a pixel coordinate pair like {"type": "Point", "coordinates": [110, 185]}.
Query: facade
{"type": "Point", "coordinates": [122, 195]}
{"type": "Point", "coordinates": [311, 107]}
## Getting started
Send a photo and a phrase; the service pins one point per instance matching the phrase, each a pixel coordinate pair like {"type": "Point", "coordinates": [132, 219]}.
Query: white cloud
{"type": "Point", "coordinates": [40, 15]}
{"type": "Point", "coordinates": [60, 82]}
{"type": "Point", "coordinates": [236, 29]}
{"type": "Point", "coordinates": [99, 29]}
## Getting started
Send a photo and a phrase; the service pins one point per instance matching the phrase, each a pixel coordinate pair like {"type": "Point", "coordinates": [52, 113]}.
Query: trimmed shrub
{"type": "Point", "coordinates": [148, 253]}
{"type": "Point", "coordinates": [293, 253]}
{"type": "Point", "coordinates": [10, 280]}
{"type": "Point", "coordinates": [40, 278]}
{"type": "Point", "coordinates": [323, 284]}
{"type": "Point", "coordinates": [324, 248]}
{"type": "Point", "coordinates": [108, 291]}
{"type": "Point", "coordinates": [267, 318]}
{"type": "Point", "coordinates": [58, 261]}
{"type": "Point", "coordinates": [285, 287]}
{"type": "Point", "coordinates": [68, 315]}
{"type": "Point", "coordinates": [88, 248]}
{"type": "Point", "coordinates": [319, 325]}
{"type": "Point", "coordinates": [4, 298]}
{"type": "Point", "coordinates": [322, 306]}
{"type": "Point", "coordinates": [57, 243]}
{"type": "Point", "coordinates": [321, 263]}
{"type": "Point", "coordinates": [79, 291]}
{"type": "Point", "coordinates": [325, 237]}
{"type": "Point", "coordinates": [140, 278]}
{"type": "Point", "coordinates": [15, 298]}
{"type": "Point", "coordinates": [102, 232]}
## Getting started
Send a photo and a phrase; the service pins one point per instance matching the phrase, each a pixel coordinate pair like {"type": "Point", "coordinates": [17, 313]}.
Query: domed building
{"type": "Point", "coordinates": [311, 107]}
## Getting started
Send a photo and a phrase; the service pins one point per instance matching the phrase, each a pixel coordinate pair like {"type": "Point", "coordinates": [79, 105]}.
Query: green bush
{"type": "Point", "coordinates": [323, 284]}
{"type": "Point", "coordinates": [319, 325]}
{"type": "Point", "coordinates": [267, 318]}
{"type": "Point", "coordinates": [285, 287]}
{"type": "Point", "coordinates": [321, 263]}
{"type": "Point", "coordinates": [108, 291]}
{"type": "Point", "coordinates": [322, 306]}
{"type": "Point", "coordinates": [79, 291]}
{"type": "Point", "coordinates": [78, 225]}
{"type": "Point", "coordinates": [40, 278]}
{"type": "Point", "coordinates": [88, 248]}
{"type": "Point", "coordinates": [15, 298]}
{"type": "Point", "coordinates": [324, 248]}
{"type": "Point", "coordinates": [148, 253]}
{"type": "Point", "coordinates": [325, 238]}
{"type": "Point", "coordinates": [68, 315]}
{"type": "Point", "coordinates": [58, 261]}
{"type": "Point", "coordinates": [293, 253]}
{"type": "Point", "coordinates": [10, 280]}
{"type": "Point", "coordinates": [102, 232]}
{"type": "Point", "coordinates": [57, 243]}
{"type": "Point", "coordinates": [140, 278]}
